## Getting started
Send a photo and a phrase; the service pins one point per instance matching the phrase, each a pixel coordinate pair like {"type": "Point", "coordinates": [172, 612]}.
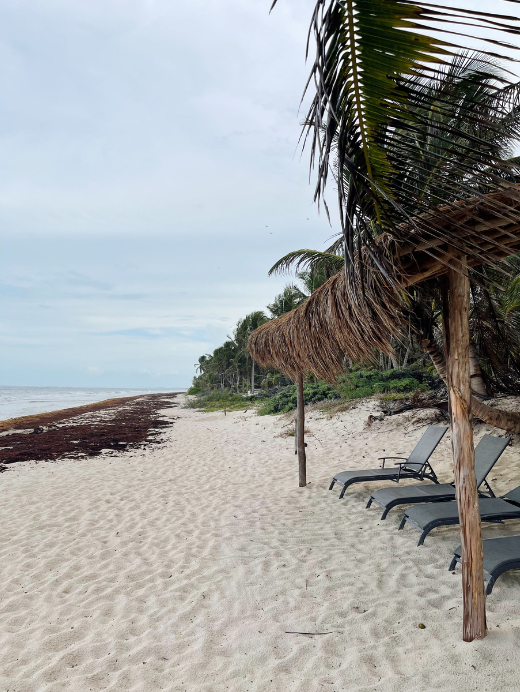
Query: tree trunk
{"type": "Point", "coordinates": [300, 433]}
{"type": "Point", "coordinates": [405, 359]}
{"type": "Point", "coordinates": [252, 376]}
{"type": "Point", "coordinates": [477, 383]}
{"type": "Point", "coordinates": [459, 387]}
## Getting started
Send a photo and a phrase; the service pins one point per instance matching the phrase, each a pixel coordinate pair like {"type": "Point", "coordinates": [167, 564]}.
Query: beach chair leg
{"type": "Point", "coordinates": [453, 564]}
{"type": "Point", "coordinates": [403, 522]}
{"type": "Point", "coordinates": [490, 585]}
{"type": "Point", "coordinates": [384, 515]}
{"type": "Point", "coordinates": [423, 536]}
{"type": "Point", "coordinates": [369, 503]}
{"type": "Point", "coordinates": [343, 490]}
{"type": "Point", "coordinates": [332, 484]}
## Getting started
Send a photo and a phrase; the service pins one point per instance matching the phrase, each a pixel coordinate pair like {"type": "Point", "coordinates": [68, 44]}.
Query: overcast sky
{"type": "Point", "coordinates": [149, 177]}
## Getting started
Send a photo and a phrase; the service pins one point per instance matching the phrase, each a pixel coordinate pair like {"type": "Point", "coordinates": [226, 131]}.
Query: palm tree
{"type": "Point", "coordinates": [462, 120]}
{"type": "Point", "coordinates": [287, 300]}
{"type": "Point", "coordinates": [241, 335]}
{"type": "Point", "coordinates": [495, 320]}
{"type": "Point", "coordinates": [293, 296]}
{"type": "Point", "coordinates": [377, 65]}
{"type": "Point", "coordinates": [422, 174]}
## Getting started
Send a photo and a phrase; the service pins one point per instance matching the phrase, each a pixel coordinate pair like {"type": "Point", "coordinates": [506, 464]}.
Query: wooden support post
{"type": "Point", "coordinates": [459, 383]}
{"type": "Point", "coordinates": [300, 433]}
{"type": "Point", "coordinates": [445, 291]}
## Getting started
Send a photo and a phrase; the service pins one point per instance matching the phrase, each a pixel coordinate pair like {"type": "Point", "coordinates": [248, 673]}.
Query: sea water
{"type": "Point", "coordinates": [24, 401]}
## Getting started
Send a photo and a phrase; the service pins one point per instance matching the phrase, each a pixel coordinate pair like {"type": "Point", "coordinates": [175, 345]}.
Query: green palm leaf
{"type": "Point", "coordinates": [372, 60]}
{"type": "Point", "coordinates": [302, 260]}
{"type": "Point", "coordinates": [510, 299]}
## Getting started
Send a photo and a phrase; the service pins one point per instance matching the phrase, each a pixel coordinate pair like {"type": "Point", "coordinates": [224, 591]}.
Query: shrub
{"type": "Point", "coordinates": [285, 400]}
{"type": "Point", "coordinates": [357, 385]}
{"type": "Point", "coordinates": [217, 399]}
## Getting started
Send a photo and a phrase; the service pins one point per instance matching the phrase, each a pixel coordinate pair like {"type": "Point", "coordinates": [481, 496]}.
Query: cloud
{"type": "Point", "coordinates": [136, 117]}
{"type": "Point", "coordinates": [146, 147]}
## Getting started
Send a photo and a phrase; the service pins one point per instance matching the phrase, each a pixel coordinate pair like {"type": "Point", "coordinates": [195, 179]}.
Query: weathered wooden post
{"type": "Point", "coordinates": [459, 384]}
{"type": "Point", "coordinates": [300, 433]}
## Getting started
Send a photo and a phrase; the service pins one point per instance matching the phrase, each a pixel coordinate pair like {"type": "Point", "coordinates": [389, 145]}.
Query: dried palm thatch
{"type": "Point", "coordinates": [342, 319]}
{"type": "Point", "coordinates": [485, 229]}
{"type": "Point", "coordinates": [352, 318]}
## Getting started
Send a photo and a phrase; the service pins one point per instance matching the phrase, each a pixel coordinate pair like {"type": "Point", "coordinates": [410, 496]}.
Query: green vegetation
{"type": "Point", "coordinates": [399, 383]}
{"type": "Point", "coordinates": [450, 152]}
{"type": "Point", "coordinates": [442, 162]}
{"type": "Point", "coordinates": [218, 400]}
{"type": "Point", "coordinates": [285, 400]}
{"type": "Point", "coordinates": [414, 378]}
{"type": "Point", "coordinates": [390, 385]}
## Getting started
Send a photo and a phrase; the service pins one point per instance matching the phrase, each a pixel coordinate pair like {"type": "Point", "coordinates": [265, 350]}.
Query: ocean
{"type": "Point", "coordinates": [24, 401]}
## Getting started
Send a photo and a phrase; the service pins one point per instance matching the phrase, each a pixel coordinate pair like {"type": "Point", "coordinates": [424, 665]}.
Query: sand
{"type": "Point", "coordinates": [193, 565]}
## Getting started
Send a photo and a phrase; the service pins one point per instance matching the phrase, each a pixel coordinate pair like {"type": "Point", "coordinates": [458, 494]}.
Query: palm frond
{"type": "Point", "coordinates": [303, 260]}
{"type": "Point", "coordinates": [289, 299]}
{"type": "Point", "coordinates": [375, 67]}
{"type": "Point", "coordinates": [313, 338]}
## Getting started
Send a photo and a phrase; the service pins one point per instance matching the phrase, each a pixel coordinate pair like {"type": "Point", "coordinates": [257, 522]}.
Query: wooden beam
{"type": "Point", "coordinates": [459, 385]}
{"type": "Point", "coordinates": [300, 433]}
{"type": "Point", "coordinates": [422, 266]}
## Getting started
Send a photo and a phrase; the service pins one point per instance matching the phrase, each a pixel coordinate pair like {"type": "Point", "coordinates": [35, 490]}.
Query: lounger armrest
{"type": "Point", "coordinates": [383, 459]}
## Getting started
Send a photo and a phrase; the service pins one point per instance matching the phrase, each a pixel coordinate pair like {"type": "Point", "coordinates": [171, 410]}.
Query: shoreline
{"type": "Point", "coordinates": [47, 417]}
{"type": "Point", "coordinates": [85, 431]}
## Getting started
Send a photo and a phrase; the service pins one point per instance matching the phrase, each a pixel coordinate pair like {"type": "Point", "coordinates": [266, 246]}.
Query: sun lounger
{"type": "Point", "coordinates": [487, 453]}
{"type": "Point", "coordinates": [415, 466]}
{"type": "Point", "coordinates": [494, 509]}
{"type": "Point", "coordinates": [500, 555]}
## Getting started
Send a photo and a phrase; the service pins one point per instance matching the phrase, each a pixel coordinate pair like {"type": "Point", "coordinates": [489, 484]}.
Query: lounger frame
{"type": "Point", "coordinates": [425, 530]}
{"type": "Point", "coordinates": [487, 453]}
{"type": "Point", "coordinates": [426, 472]}
{"type": "Point", "coordinates": [411, 500]}
{"type": "Point", "coordinates": [409, 467]}
{"type": "Point", "coordinates": [508, 508]}
{"type": "Point", "coordinates": [491, 577]}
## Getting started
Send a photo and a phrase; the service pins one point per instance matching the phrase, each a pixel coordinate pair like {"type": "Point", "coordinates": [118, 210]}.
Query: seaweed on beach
{"type": "Point", "coordinates": [116, 426]}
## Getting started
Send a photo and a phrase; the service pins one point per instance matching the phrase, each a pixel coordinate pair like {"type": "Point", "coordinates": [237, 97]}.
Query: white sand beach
{"type": "Point", "coordinates": [194, 566]}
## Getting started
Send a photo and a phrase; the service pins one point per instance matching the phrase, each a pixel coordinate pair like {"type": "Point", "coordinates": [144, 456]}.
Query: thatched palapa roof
{"type": "Point", "coordinates": [485, 229]}
{"type": "Point", "coordinates": [339, 320]}
{"type": "Point", "coordinates": [342, 320]}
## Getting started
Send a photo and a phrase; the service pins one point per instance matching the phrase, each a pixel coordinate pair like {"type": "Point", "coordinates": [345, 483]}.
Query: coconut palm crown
{"type": "Point", "coordinates": [376, 65]}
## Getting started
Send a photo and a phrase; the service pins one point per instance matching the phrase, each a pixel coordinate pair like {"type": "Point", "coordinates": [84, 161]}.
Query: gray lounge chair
{"type": "Point", "coordinates": [500, 555]}
{"type": "Point", "coordinates": [494, 509]}
{"type": "Point", "coordinates": [487, 453]}
{"type": "Point", "coordinates": [415, 466]}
